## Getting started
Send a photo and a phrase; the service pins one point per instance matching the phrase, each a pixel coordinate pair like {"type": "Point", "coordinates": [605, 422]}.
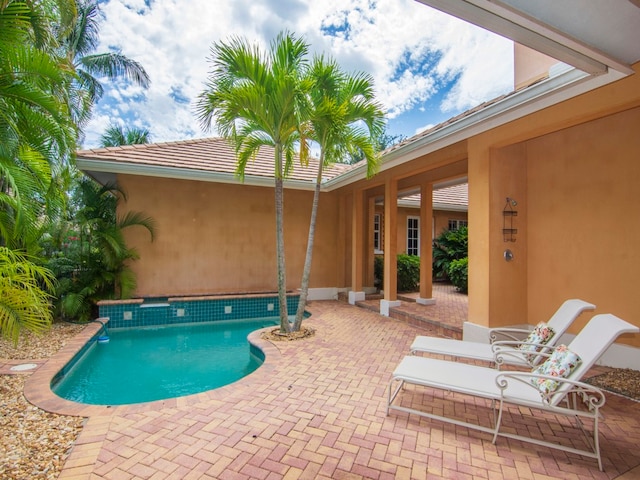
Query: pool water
{"type": "Point", "coordinates": [153, 363]}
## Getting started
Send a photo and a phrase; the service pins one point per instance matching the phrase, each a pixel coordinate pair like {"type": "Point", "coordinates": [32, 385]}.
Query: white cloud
{"type": "Point", "coordinates": [410, 49]}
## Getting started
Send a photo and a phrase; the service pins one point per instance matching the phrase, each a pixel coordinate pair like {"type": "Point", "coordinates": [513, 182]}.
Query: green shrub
{"type": "Point", "coordinates": [450, 245]}
{"type": "Point", "coordinates": [408, 272]}
{"type": "Point", "coordinates": [458, 273]}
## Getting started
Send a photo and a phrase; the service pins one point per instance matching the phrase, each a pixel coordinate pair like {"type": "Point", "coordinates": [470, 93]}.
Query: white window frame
{"type": "Point", "coordinates": [377, 233]}
{"type": "Point", "coordinates": [413, 233]}
{"type": "Point", "coordinates": [458, 223]}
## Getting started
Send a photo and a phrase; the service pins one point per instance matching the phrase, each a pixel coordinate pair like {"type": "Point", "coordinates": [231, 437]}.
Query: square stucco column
{"type": "Point", "coordinates": [426, 245]}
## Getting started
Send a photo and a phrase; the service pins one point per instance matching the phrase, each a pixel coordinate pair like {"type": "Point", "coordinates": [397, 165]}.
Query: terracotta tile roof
{"type": "Point", "coordinates": [455, 197]}
{"type": "Point", "coordinates": [213, 155]}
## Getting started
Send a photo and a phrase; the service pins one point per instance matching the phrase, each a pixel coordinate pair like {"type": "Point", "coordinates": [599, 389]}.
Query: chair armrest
{"type": "Point", "coordinates": [592, 396]}
{"type": "Point", "coordinates": [503, 350]}
{"type": "Point", "coordinates": [513, 334]}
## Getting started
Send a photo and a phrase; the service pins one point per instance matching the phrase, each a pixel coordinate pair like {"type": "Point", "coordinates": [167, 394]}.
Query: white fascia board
{"type": "Point", "coordinates": [94, 165]}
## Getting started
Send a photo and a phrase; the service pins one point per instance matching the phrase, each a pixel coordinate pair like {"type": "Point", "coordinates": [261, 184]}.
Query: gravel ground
{"type": "Point", "coordinates": [33, 443]}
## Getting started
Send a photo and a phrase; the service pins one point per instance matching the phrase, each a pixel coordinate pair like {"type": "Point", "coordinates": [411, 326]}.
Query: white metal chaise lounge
{"type": "Point", "coordinates": [571, 397]}
{"type": "Point", "coordinates": [517, 350]}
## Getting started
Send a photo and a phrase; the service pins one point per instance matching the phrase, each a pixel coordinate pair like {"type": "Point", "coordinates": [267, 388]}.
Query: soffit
{"type": "Point", "coordinates": [592, 36]}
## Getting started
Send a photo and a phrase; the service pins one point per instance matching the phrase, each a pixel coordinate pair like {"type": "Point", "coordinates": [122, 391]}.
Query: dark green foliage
{"type": "Point", "coordinates": [450, 245]}
{"type": "Point", "coordinates": [458, 273]}
{"type": "Point", "coordinates": [408, 272]}
{"type": "Point", "coordinates": [92, 261]}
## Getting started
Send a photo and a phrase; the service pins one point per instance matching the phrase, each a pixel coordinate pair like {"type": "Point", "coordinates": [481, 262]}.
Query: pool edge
{"type": "Point", "coordinates": [37, 389]}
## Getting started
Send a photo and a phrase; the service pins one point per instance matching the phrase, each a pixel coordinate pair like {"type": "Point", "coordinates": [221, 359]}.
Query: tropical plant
{"type": "Point", "coordinates": [382, 141]}
{"type": "Point", "coordinates": [37, 131]}
{"type": "Point", "coordinates": [116, 136]}
{"type": "Point", "coordinates": [80, 45]}
{"type": "Point", "coordinates": [458, 272]}
{"type": "Point", "coordinates": [343, 117]}
{"type": "Point", "coordinates": [24, 300]}
{"type": "Point", "coordinates": [450, 245]}
{"type": "Point", "coordinates": [93, 263]}
{"type": "Point", "coordinates": [407, 272]}
{"type": "Point", "coordinates": [256, 99]}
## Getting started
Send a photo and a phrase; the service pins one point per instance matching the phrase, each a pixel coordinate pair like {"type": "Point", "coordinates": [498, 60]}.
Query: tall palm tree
{"type": "Point", "coordinates": [79, 45]}
{"type": "Point", "coordinates": [343, 117]}
{"type": "Point", "coordinates": [36, 129]}
{"type": "Point", "coordinates": [116, 136]}
{"type": "Point", "coordinates": [255, 99]}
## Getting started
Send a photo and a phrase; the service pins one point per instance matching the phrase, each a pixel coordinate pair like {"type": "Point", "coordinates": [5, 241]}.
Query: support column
{"type": "Point", "coordinates": [369, 254]}
{"type": "Point", "coordinates": [390, 247]}
{"type": "Point", "coordinates": [357, 255]}
{"type": "Point", "coordinates": [426, 245]}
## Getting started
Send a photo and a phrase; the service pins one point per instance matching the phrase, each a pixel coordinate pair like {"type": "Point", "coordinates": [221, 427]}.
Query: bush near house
{"type": "Point", "coordinates": [458, 273]}
{"type": "Point", "coordinates": [408, 272]}
{"type": "Point", "coordinates": [450, 245]}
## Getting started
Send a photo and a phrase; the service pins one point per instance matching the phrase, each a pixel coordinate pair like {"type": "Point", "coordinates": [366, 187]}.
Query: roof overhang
{"type": "Point", "coordinates": [104, 171]}
{"type": "Point", "coordinates": [543, 26]}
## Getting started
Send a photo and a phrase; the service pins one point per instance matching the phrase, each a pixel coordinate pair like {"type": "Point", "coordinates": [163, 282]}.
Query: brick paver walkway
{"type": "Point", "coordinates": [316, 410]}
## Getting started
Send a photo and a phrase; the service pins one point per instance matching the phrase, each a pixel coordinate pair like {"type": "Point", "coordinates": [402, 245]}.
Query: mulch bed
{"type": "Point", "coordinates": [275, 335]}
{"type": "Point", "coordinates": [623, 381]}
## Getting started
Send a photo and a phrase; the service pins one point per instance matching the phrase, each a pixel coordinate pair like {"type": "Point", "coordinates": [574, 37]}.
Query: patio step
{"type": "Point", "coordinates": [421, 320]}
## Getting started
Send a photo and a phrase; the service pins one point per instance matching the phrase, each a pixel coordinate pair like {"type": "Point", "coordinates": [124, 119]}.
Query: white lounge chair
{"type": "Point", "coordinates": [516, 350]}
{"type": "Point", "coordinates": [571, 398]}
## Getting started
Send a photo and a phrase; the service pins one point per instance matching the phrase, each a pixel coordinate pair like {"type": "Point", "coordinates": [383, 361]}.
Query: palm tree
{"type": "Point", "coordinates": [95, 264]}
{"type": "Point", "coordinates": [343, 117]}
{"type": "Point", "coordinates": [36, 129]}
{"type": "Point", "coordinates": [255, 99]}
{"type": "Point", "coordinates": [79, 45]}
{"type": "Point", "coordinates": [24, 302]}
{"type": "Point", "coordinates": [116, 136]}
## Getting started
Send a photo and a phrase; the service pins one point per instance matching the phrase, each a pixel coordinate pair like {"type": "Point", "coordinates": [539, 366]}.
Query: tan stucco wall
{"type": "Point", "coordinates": [583, 208]}
{"type": "Point", "coordinates": [574, 170]}
{"type": "Point", "coordinates": [214, 237]}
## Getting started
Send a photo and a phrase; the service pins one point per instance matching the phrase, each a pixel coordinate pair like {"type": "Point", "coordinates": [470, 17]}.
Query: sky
{"type": "Point", "coordinates": [427, 66]}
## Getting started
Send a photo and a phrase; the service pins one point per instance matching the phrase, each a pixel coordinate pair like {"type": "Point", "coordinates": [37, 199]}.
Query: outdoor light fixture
{"type": "Point", "coordinates": [508, 212]}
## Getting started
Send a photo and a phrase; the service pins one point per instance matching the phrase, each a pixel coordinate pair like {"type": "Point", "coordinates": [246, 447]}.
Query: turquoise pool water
{"type": "Point", "coordinates": [153, 363]}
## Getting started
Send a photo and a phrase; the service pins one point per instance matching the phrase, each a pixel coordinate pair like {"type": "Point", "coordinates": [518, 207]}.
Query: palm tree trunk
{"type": "Point", "coordinates": [306, 272]}
{"type": "Point", "coordinates": [282, 282]}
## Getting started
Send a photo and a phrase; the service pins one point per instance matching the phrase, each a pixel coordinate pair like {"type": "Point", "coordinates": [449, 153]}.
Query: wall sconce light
{"type": "Point", "coordinates": [508, 212]}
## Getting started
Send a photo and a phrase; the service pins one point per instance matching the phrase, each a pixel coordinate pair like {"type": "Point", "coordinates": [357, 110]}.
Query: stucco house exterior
{"type": "Point", "coordinates": [564, 146]}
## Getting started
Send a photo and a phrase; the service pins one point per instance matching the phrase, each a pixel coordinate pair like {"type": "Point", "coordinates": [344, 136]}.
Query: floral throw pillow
{"type": "Point", "coordinates": [540, 335]}
{"type": "Point", "coordinates": [561, 363]}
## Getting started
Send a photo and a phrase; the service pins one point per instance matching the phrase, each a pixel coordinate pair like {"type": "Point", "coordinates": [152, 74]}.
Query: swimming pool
{"type": "Point", "coordinates": [143, 364]}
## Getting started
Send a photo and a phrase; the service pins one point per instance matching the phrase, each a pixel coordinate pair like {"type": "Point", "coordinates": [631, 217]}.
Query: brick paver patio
{"type": "Point", "coordinates": [316, 410]}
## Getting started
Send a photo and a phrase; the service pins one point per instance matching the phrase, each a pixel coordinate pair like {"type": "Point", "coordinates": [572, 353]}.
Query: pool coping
{"type": "Point", "coordinates": [37, 388]}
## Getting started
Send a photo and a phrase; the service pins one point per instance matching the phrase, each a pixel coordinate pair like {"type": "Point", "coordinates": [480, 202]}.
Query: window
{"type": "Point", "coordinates": [413, 235]}
{"type": "Point", "coordinates": [377, 232]}
{"type": "Point", "coordinates": [456, 224]}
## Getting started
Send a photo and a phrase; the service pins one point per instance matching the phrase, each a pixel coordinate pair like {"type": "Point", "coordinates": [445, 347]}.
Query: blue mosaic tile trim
{"type": "Point", "coordinates": [92, 342]}
{"type": "Point", "coordinates": [164, 312]}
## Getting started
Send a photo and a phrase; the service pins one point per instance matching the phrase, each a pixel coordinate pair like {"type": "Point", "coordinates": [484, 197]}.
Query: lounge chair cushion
{"type": "Point", "coordinates": [540, 335]}
{"type": "Point", "coordinates": [561, 363]}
